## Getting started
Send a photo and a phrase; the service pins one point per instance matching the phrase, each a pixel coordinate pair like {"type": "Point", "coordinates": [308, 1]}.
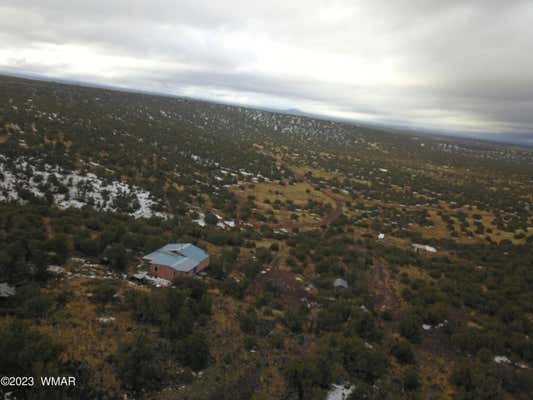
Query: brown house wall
{"type": "Point", "coordinates": [162, 271]}
{"type": "Point", "coordinates": [202, 265]}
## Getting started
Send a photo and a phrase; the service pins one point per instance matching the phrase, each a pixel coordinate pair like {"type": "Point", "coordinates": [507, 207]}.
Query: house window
{"type": "Point", "coordinates": [155, 268]}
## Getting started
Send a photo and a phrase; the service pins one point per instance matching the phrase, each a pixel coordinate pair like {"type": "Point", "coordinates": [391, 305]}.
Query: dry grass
{"type": "Point", "coordinates": [474, 325]}
{"type": "Point", "coordinates": [416, 273]}
{"type": "Point", "coordinates": [84, 338]}
{"type": "Point", "coordinates": [299, 193]}
{"type": "Point", "coordinates": [60, 138]}
{"type": "Point", "coordinates": [435, 373]}
{"type": "Point", "coordinates": [317, 173]}
{"type": "Point", "coordinates": [439, 230]}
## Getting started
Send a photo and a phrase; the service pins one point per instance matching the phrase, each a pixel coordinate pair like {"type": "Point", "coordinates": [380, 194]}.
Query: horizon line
{"type": "Point", "coordinates": [401, 129]}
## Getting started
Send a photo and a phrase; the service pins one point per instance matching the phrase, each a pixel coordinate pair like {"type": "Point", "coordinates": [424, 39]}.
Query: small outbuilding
{"type": "Point", "coordinates": [424, 247]}
{"type": "Point", "coordinates": [340, 283]}
{"type": "Point", "coordinates": [177, 259]}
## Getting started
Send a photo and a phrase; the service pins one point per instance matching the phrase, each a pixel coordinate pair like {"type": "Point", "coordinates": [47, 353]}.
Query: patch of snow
{"type": "Point", "coordinates": [56, 269]}
{"type": "Point", "coordinates": [200, 220]}
{"type": "Point", "coordinates": [6, 290]}
{"type": "Point", "coordinates": [105, 320]}
{"type": "Point", "coordinates": [501, 359]}
{"type": "Point", "coordinates": [426, 327]}
{"type": "Point", "coordinates": [340, 392]}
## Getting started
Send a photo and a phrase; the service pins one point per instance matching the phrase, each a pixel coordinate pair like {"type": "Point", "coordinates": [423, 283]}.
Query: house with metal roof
{"type": "Point", "coordinates": [177, 258]}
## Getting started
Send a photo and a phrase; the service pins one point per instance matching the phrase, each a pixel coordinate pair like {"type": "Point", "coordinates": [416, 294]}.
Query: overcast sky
{"type": "Point", "coordinates": [437, 64]}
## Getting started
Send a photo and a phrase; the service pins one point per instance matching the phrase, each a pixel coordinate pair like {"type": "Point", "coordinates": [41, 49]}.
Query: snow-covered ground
{"type": "Point", "coordinates": [22, 176]}
{"type": "Point", "coordinates": [198, 218]}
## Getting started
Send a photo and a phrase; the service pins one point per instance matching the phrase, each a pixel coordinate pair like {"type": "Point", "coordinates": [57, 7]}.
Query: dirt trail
{"type": "Point", "coordinates": [383, 295]}
{"type": "Point", "coordinates": [48, 228]}
{"type": "Point", "coordinates": [288, 225]}
{"type": "Point", "coordinates": [328, 219]}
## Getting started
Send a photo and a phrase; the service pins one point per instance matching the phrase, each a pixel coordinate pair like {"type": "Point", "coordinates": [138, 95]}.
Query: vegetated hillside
{"type": "Point", "coordinates": [92, 179]}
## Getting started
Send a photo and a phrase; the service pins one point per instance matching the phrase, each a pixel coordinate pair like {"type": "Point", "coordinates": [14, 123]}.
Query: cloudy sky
{"type": "Point", "coordinates": [464, 66]}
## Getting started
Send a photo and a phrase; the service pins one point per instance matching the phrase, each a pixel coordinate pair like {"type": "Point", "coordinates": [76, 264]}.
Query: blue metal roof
{"type": "Point", "coordinates": [182, 257]}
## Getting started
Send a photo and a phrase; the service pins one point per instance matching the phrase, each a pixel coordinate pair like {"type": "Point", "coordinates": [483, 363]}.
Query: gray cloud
{"type": "Point", "coordinates": [445, 65]}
